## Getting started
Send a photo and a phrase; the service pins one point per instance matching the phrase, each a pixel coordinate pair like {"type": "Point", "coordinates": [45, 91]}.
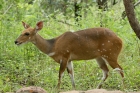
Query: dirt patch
{"type": "Point", "coordinates": [94, 91]}
{"type": "Point", "coordinates": [97, 91]}
{"type": "Point", "coordinates": [33, 89]}
{"type": "Point", "coordinates": [102, 91]}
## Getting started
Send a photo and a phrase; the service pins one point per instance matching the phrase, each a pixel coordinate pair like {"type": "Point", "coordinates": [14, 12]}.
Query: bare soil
{"type": "Point", "coordinates": [34, 89]}
{"type": "Point", "coordinates": [97, 91]}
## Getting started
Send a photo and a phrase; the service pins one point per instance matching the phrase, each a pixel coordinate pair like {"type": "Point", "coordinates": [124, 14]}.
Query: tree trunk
{"type": "Point", "coordinates": [102, 4]}
{"type": "Point", "coordinates": [114, 2]}
{"type": "Point", "coordinates": [129, 8]}
{"type": "Point", "coordinates": [77, 12]}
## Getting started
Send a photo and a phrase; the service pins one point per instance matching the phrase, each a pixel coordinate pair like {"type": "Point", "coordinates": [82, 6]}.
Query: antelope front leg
{"type": "Point", "coordinates": [63, 64]}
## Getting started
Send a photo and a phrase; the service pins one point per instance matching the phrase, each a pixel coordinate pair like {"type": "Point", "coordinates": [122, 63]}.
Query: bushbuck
{"type": "Point", "coordinates": [100, 43]}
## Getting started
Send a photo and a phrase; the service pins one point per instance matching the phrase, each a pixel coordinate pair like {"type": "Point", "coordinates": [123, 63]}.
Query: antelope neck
{"type": "Point", "coordinates": [42, 44]}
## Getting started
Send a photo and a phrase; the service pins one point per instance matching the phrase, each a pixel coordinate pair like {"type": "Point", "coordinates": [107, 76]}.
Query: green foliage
{"type": "Point", "coordinates": [27, 66]}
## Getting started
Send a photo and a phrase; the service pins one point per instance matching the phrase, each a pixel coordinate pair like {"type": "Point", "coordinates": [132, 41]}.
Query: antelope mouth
{"type": "Point", "coordinates": [18, 43]}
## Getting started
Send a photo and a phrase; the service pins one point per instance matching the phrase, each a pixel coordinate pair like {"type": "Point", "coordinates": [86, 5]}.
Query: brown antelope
{"type": "Point", "coordinates": [99, 43]}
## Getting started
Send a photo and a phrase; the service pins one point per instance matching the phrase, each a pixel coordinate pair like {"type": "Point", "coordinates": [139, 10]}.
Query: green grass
{"type": "Point", "coordinates": [26, 65]}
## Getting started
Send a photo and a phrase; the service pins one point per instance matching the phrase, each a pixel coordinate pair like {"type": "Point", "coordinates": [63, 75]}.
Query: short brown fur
{"type": "Point", "coordinates": [101, 44]}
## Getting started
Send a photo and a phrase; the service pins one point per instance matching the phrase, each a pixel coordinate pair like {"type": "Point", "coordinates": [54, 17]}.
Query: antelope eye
{"type": "Point", "coordinates": [26, 34]}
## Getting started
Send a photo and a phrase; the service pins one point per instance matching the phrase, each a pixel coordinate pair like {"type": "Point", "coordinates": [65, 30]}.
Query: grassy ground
{"type": "Point", "coordinates": [26, 65]}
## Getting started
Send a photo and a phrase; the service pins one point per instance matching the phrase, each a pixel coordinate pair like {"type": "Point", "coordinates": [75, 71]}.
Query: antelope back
{"type": "Point", "coordinates": [88, 44]}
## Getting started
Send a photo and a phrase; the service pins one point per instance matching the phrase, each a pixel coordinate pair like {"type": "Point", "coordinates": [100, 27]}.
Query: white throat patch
{"type": "Point", "coordinates": [51, 54]}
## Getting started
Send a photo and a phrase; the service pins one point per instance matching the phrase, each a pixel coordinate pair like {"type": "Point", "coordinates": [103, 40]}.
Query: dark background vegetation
{"type": "Point", "coordinates": [27, 66]}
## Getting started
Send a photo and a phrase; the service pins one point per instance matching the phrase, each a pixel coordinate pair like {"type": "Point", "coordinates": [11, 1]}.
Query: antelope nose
{"type": "Point", "coordinates": [16, 42]}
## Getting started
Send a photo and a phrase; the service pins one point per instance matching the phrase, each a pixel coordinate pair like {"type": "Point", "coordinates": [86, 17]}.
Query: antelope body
{"type": "Point", "coordinates": [95, 43]}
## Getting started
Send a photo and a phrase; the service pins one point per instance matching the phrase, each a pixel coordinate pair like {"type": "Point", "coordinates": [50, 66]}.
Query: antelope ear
{"type": "Point", "coordinates": [39, 26]}
{"type": "Point", "coordinates": [25, 25]}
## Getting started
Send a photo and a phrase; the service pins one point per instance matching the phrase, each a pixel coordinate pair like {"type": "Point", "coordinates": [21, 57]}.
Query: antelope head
{"type": "Point", "coordinates": [28, 35]}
